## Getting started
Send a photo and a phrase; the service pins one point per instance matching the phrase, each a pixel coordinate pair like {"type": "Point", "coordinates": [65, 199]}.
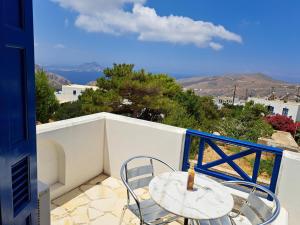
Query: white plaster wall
{"type": "Point", "coordinates": [82, 141]}
{"type": "Point", "coordinates": [128, 137]}
{"type": "Point", "coordinates": [100, 143]}
{"type": "Point", "coordinates": [294, 108]}
{"type": "Point", "coordinates": [66, 94]}
{"type": "Point", "coordinates": [288, 186]}
{"type": "Point", "coordinates": [50, 162]}
{"type": "Point", "coordinates": [298, 115]}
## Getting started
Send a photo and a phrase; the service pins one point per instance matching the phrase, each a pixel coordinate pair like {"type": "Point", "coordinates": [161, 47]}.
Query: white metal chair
{"type": "Point", "coordinates": [139, 177]}
{"type": "Point", "coordinates": [253, 208]}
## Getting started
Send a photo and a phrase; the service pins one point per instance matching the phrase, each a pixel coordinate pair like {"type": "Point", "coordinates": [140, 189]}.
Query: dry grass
{"type": "Point", "coordinates": [246, 163]}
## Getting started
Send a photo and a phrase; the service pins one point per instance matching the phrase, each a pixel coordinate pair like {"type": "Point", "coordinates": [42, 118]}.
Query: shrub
{"type": "Point", "coordinates": [283, 123]}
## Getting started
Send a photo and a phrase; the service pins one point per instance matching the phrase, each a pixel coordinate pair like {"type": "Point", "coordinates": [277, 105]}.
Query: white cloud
{"type": "Point", "coordinates": [215, 46]}
{"type": "Point", "coordinates": [59, 46]}
{"type": "Point", "coordinates": [110, 17]}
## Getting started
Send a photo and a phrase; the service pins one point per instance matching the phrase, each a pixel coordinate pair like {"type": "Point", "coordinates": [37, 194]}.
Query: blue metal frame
{"type": "Point", "coordinates": [252, 148]}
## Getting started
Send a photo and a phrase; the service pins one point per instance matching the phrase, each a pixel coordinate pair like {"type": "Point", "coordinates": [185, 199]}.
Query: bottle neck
{"type": "Point", "coordinates": [192, 166]}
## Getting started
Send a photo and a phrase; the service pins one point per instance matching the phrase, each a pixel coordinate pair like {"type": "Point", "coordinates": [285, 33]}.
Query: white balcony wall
{"type": "Point", "coordinates": [128, 137]}
{"type": "Point", "coordinates": [70, 152]}
{"type": "Point", "coordinates": [51, 161]}
{"type": "Point", "coordinates": [288, 185]}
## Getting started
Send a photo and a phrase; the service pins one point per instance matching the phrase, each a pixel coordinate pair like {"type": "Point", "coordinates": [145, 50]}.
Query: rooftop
{"type": "Point", "coordinates": [276, 101]}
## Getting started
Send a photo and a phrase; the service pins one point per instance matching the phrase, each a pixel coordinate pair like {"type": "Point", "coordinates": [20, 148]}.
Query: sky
{"type": "Point", "coordinates": [179, 37]}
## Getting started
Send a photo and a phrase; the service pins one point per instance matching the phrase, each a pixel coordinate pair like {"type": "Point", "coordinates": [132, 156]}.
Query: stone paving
{"type": "Point", "coordinates": [97, 202]}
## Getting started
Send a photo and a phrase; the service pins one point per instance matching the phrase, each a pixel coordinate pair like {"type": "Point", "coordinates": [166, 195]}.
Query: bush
{"type": "Point", "coordinates": [46, 102]}
{"type": "Point", "coordinates": [68, 110]}
{"type": "Point", "coordinates": [283, 123]}
{"type": "Point", "coordinates": [245, 130]}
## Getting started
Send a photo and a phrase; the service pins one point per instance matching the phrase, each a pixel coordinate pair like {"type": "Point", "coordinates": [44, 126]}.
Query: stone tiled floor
{"type": "Point", "coordinates": [97, 202]}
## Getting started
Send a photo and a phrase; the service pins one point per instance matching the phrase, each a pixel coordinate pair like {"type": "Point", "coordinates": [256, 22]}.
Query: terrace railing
{"type": "Point", "coordinates": [248, 148]}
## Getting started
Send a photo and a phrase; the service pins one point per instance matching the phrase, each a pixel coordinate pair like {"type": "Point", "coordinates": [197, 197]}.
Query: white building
{"type": "Point", "coordinates": [221, 100]}
{"type": "Point", "coordinates": [70, 93]}
{"type": "Point", "coordinates": [290, 108]}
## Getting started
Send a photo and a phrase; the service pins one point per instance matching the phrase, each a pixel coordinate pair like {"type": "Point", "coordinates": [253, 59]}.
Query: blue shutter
{"type": "Point", "coordinates": [18, 167]}
{"type": "Point", "coordinates": [20, 184]}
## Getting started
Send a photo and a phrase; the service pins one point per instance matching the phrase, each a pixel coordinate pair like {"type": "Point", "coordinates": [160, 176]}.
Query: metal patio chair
{"type": "Point", "coordinates": [254, 209]}
{"type": "Point", "coordinates": [139, 177]}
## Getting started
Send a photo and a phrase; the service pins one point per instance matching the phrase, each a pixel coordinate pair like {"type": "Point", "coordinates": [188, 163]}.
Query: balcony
{"type": "Point", "coordinates": [80, 160]}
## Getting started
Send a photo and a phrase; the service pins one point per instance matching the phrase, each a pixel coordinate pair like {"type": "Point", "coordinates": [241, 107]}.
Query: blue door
{"type": "Point", "coordinates": [18, 172]}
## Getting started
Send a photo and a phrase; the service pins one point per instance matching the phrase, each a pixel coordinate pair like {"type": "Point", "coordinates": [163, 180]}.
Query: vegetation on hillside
{"type": "Point", "coordinates": [46, 101]}
{"type": "Point", "coordinates": [159, 98]}
{"type": "Point", "coordinates": [245, 122]}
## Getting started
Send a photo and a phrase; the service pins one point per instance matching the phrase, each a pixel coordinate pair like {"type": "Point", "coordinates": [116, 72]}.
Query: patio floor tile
{"type": "Point", "coordinates": [97, 202]}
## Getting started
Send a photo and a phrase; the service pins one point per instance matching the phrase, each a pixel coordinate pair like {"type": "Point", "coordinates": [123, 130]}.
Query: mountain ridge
{"type": "Point", "coordinates": [55, 80]}
{"type": "Point", "coordinates": [84, 67]}
{"type": "Point", "coordinates": [254, 84]}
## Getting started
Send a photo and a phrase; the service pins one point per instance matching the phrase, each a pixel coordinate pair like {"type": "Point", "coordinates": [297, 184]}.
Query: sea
{"type": "Point", "coordinates": [78, 77]}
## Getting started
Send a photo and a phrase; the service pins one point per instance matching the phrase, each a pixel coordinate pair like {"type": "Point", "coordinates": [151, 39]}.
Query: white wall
{"type": "Point", "coordinates": [67, 95]}
{"type": "Point", "coordinates": [127, 137]}
{"type": "Point", "coordinates": [80, 141]}
{"type": "Point", "coordinates": [288, 185]}
{"type": "Point", "coordinates": [294, 108]}
{"type": "Point", "coordinates": [70, 152]}
{"type": "Point", "coordinates": [51, 161]}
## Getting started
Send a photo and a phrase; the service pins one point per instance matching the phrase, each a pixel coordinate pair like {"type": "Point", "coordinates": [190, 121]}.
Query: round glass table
{"type": "Point", "coordinates": [208, 200]}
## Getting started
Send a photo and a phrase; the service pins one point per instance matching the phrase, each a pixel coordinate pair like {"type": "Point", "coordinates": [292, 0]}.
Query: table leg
{"type": "Point", "coordinates": [186, 221]}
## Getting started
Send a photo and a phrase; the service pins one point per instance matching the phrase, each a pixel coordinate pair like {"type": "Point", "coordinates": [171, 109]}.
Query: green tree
{"type": "Point", "coordinates": [46, 102]}
{"type": "Point", "coordinates": [229, 110]}
{"type": "Point", "coordinates": [178, 116]}
{"type": "Point", "coordinates": [125, 91]}
{"type": "Point", "coordinates": [68, 110]}
{"type": "Point", "coordinates": [246, 123]}
{"type": "Point", "coordinates": [252, 111]}
{"type": "Point", "coordinates": [202, 109]}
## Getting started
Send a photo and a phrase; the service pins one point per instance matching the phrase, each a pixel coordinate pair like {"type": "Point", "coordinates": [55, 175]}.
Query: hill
{"type": "Point", "coordinates": [78, 74]}
{"type": "Point", "coordinates": [84, 67]}
{"type": "Point", "coordinates": [247, 84]}
{"type": "Point", "coordinates": [55, 80]}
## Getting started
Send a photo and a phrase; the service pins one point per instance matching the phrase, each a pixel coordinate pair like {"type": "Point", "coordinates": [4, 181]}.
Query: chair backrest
{"type": "Point", "coordinates": [138, 176]}
{"type": "Point", "coordinates": [254, 208]}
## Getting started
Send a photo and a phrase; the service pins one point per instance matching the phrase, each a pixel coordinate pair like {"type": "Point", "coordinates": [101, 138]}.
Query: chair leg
{"type": "Point", "coordinates": [195, 222]}
{"type": "Point", "coordinates": [122, 215]}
